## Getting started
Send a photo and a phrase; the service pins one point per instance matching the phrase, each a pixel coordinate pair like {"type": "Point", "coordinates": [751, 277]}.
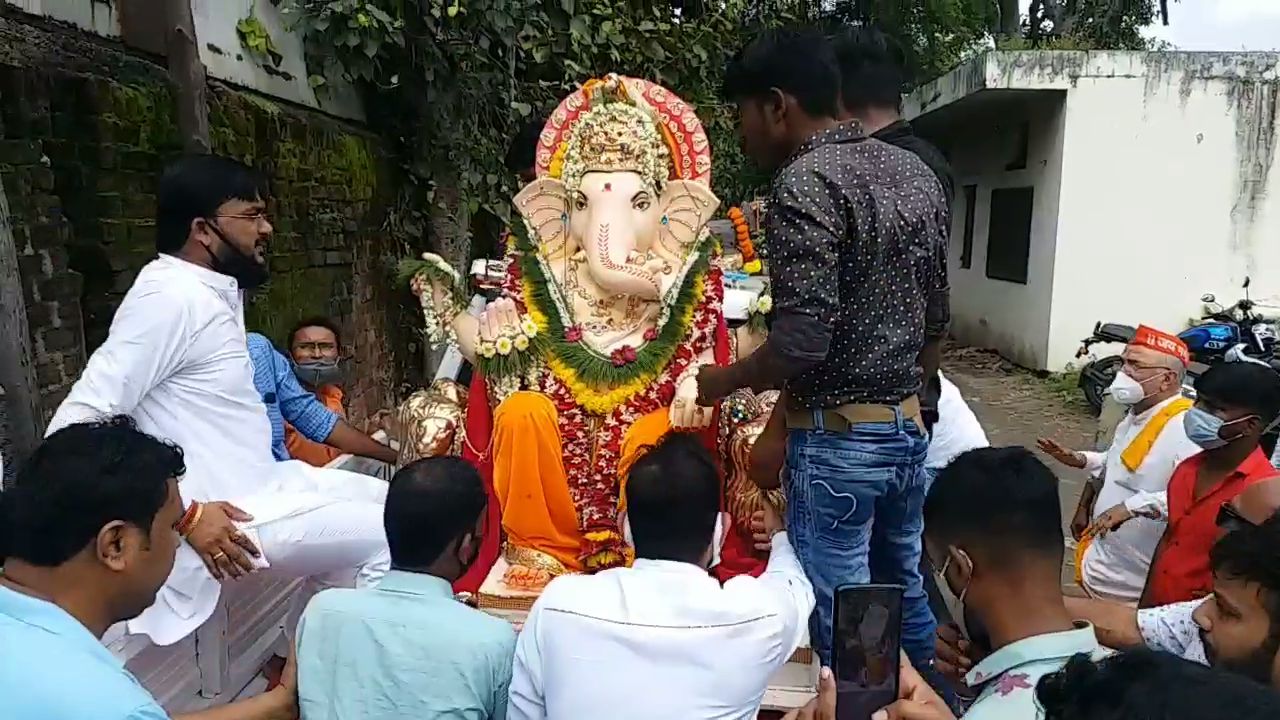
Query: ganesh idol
{"type": "Point", "coordinates": [610, 304]}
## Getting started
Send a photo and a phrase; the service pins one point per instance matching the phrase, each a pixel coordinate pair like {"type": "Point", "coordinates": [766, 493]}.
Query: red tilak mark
{"type": "Point", "coordinates": [608, 187]}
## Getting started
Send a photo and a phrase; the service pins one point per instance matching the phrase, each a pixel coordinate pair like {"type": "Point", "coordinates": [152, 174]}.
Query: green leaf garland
{"type": "Point", "coordinates": [591, 367]}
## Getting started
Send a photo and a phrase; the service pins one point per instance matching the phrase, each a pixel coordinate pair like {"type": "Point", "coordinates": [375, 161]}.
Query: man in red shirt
{"type": "Point", "coordinates": [1236, 403]}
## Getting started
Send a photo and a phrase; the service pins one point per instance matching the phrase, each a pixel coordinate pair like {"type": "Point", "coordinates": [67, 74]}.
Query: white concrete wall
{"type": "Point", "coordinates": [220, 48]}
{"type": "Point", "coordinates": [1168, 192]}
{"type": "Point", "coordinates": [982, 141]}
{"type": "Point", "coordinates": [226, 59]}
{"type": "Point", "coordinates": [96, 16]}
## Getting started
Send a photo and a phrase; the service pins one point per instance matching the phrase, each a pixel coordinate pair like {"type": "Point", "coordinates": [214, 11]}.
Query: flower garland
{"type": "Point", "coordinates": [422, 275]}
{"type": "Point", "coordinates": [602, 382]}
{"type": "Point", "coordinates": [597, 398]}
{"type": "Point", "coordinates": [750, 260]}
{"type": "Point", "coordinates": [592, 442]}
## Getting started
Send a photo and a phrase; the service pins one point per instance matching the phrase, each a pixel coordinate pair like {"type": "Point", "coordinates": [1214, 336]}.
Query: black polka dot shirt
{"type": "Point", "coordinates": [857, 238]}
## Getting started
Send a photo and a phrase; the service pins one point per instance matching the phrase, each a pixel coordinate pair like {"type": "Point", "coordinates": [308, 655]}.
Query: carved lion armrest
{"type": "Point", "coordinates": [432, 422]}
{"type": "Point", "coordinates": [744, 415]}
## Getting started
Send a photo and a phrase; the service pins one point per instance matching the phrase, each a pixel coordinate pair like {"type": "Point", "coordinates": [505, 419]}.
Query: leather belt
{"type": "Point", "coordinates": [845, 417]}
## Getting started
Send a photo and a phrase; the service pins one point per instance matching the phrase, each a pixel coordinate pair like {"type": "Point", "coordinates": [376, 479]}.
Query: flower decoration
{"type": "Point", "coordinates": [423, 276]}
{"type": "Point", "coordinates": [529, 327]}
{"type": "Point", "coordinates": [556, 168]}
{"type": "Point", "coordinates": [614, 135]}
{"type": "Point", "coordinates": [742, 231]}
{"type": "Point", "coordinates": [521, 342]}
{"type": "Point", "coordinates": [757, 310]}
{"type": "Point", "coordinates": [504, 345]}
{"type": "Point", "coordinates": [623, 355]}
{"type": "Point", "coordinates": [573, 334]}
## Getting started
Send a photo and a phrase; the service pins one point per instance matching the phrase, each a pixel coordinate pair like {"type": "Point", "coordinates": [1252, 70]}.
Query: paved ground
{"type": "Point", "coordinates": [1016, 407]}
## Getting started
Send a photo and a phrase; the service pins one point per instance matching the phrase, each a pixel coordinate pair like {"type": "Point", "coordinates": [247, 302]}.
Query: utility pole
{"type": "Point", "coordinates": [18, 390]}
{"type": "Point", "coordinates": [186, 72]}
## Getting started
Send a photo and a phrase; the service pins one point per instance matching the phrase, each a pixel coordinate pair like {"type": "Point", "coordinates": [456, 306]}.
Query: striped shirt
{"type": "Point", "coordinates": [285, 398]}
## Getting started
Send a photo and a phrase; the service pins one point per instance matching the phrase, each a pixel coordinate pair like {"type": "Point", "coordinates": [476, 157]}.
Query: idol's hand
{"type": "Point", "coordinates": [499, 319]}
{"type": "Point", "coordinates": [686, 412]}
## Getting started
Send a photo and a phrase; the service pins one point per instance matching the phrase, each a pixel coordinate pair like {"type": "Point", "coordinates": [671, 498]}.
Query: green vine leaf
{"type": "Point", "coordinates": [257, 40]}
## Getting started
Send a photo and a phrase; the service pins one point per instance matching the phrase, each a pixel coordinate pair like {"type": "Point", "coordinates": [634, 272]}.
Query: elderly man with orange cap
{"type": "Point", "coordinates": [1148, 444]}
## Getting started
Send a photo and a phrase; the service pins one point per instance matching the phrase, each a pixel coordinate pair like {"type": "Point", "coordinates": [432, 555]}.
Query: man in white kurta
{"type": "Point", "coordinates": [1148, 444]}
{"type": "Point", "coordinates": [176, 360]}
{"type": "Point", "coordinates": [663, 638]}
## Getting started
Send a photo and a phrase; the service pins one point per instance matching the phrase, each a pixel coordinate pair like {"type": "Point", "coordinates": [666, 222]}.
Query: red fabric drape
{"type": "Point", "coordinates": [479, 428]}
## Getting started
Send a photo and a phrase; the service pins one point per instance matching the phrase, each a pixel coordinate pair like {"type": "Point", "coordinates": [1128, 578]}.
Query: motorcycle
{"type": "Point", "coordinates": [1220, 330]}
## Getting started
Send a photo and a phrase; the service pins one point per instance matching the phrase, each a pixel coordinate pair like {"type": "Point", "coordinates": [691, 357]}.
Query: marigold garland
{"type": "Point", "coordinates": [742, 231]}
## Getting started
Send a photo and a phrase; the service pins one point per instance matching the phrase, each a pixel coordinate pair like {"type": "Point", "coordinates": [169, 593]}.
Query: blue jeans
{"type": "Point", "coordinates": [855, 515]}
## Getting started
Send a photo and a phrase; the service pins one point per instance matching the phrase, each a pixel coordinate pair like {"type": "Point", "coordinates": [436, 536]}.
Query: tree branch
{"type": "Point", "coordinates": [186, 72]}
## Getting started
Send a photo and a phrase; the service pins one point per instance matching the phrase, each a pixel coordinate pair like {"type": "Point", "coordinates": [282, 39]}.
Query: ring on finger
{"type": "Point", "coordinates": [218, 555]}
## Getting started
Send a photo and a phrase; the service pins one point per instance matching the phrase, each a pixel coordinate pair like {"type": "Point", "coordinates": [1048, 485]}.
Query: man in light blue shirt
{"type": "Point", "coordinates": [87, 536]}
{"type": "Point", "coordinates": [287, 401]}
{"type": "Point", "coordinates": [993, 528]}
{"type": "Point", "coordinates": [407, 650]}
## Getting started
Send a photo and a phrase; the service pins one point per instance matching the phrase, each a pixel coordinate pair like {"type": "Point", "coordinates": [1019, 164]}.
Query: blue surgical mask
{"type": "Point", "coordinates": [1205, 429]}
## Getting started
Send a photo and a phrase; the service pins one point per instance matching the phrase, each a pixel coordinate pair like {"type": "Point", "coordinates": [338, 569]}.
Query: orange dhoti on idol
{"type": "Point", "coordinates": [611, 302]}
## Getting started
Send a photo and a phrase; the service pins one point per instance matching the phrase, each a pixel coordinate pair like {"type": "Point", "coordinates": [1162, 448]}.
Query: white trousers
{"type": "Point", "coordinates": [320, 524]}
{"type": "Point", "coordinates": [339, 543]}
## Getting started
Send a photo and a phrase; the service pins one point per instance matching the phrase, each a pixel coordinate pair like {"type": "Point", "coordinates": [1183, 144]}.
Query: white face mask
{"type": "Point", "coordinates": [1127, 391]}
{"type": "Point", "coordinates": [717, 537]}
{"type": "Point", "coordinates": [954, 603]}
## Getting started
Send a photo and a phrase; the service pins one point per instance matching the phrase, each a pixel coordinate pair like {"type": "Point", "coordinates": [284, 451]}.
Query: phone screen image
{"type": "Point", "coordinates": [866, 638]}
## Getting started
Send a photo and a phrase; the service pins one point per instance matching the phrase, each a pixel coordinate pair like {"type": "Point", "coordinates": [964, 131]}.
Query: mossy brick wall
{"type": "Point", "coordinates": [329, 252]}
{"type": "Point", "coordinates": [80, 155]}
{"type": "Point", "coordinates": [42, 234]}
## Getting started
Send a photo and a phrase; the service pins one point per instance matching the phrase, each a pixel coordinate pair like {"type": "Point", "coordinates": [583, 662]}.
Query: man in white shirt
{"type": "Point", "coordinates": [1236, 628]}
{"type": "Point", "coordinates": [956, 432]}
{"type": "Point", "coordinates": [1149, 443]}
{"type": "Point", "coordinates": [176, 361]}
{"type": "Point", "coordinates": [663, 639]}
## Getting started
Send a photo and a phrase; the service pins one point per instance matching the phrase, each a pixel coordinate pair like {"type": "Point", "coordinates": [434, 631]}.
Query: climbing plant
{"type": "Point", "coordinates": [452, 80]}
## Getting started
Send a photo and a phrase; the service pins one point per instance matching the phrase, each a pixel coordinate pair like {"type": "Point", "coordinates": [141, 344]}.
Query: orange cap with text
{"type": "Point", "coordinates": [1161, 342]}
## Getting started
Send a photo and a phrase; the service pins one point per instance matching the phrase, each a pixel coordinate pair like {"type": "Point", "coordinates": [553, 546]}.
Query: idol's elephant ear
{"type": "Point", "coordinates": [686, 208]}
{"type": "Point", "coordinates": [544, 204]}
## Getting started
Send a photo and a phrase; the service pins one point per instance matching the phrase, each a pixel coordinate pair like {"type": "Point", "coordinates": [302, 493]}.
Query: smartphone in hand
{"type": "Point", "coordinates": [866, 642]}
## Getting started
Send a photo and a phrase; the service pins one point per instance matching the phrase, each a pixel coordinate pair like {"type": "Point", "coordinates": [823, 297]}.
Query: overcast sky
{"type": "Point", "coordinates": [1220, 24]}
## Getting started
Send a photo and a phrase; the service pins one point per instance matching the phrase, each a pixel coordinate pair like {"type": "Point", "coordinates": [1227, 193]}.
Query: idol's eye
{"type": "Point", "coordinates": [579, 201]}
{"type": "Point", "coordinates": [642, 202]}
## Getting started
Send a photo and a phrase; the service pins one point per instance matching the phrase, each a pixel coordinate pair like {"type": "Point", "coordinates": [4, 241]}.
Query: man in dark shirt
{"type": "Point", "coordinates": [872, 77]}
{"type": "Point", "coordinates": [856, 233]}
